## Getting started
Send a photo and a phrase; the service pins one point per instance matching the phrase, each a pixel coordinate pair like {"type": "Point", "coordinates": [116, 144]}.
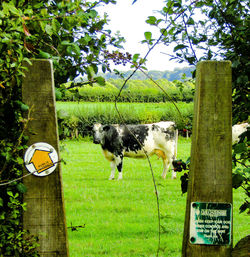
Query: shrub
{"type": "Point", "coordinates": [77, 119]}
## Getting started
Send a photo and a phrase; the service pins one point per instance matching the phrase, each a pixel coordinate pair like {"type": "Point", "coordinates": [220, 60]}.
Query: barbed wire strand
{"type": "Point", "coordinates": [24, 176]}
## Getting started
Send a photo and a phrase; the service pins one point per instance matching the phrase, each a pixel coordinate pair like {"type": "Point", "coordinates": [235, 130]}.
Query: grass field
{"type": "Point", "coordinates": [120, 217]}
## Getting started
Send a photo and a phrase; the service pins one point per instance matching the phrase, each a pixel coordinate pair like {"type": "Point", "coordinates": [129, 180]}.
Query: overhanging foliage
{"type": "Point", "coordinates": [72, 34]}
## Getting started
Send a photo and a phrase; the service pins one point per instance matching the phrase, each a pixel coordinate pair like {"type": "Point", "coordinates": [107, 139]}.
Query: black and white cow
{"type": "Point", "coordinates": [137, 141]}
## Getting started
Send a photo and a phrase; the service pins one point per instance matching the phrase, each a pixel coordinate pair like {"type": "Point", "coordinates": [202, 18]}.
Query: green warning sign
{"type": "Point", "coordinates": [210, 223]}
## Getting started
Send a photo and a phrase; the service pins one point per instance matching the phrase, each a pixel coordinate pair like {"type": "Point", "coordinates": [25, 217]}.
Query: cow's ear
{"type": "Point", "coordinates": [106, 128]}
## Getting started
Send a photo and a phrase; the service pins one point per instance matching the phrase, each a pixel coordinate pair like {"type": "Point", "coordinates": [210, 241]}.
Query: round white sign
{"type": "Point", "coordinates": [41, 159]}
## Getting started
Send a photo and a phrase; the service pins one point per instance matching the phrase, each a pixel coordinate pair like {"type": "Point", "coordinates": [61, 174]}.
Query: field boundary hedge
{"type": "Point", "coordinates": [135, 91]}
{"type": "Point", "coordinates": [77, 119]}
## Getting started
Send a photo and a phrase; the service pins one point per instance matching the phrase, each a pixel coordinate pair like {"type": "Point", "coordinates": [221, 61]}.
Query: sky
{"type": "Point", "coordinates": [130, 21]}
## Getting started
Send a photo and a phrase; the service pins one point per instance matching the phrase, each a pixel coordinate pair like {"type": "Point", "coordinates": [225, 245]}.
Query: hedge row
{"type": "Point", "coordinates": [79, 121]}
{"type": "Point", "coordinates": [135, 91]}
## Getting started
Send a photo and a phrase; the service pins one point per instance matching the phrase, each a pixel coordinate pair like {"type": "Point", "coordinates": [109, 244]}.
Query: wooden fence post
{"type": "Point", "coordinates": [45, 215]}
{"type": "Point", "coordinates": [208, 221]}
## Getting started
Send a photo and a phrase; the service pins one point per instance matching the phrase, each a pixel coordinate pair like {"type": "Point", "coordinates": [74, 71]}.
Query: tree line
{"type": "Point", "coordinates": [176, 74]}
{"type": "Point", "coordinates": [135, 90]}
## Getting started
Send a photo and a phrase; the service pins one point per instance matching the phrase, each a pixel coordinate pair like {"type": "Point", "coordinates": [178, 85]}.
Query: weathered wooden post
{"type": "Point", "coordinates": [208, 221]}
{"type": "Point", "coordinates": [45, 216]}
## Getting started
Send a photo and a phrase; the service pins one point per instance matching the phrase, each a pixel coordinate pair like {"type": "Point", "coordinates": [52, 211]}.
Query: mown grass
{"type": "Point", "coordinates": [120, 217]}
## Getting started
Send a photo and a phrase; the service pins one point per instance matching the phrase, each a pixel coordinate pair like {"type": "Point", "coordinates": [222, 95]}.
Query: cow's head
{"type": "Point", "coordinates": [99, 132]}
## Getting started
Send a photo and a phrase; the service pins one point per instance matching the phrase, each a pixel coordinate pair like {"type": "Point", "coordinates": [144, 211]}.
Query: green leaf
{"type": "Point", "coordinates": [93, 14]}
{"type": "Point", "coordinates": [135, 57]}
{"type": "Point", "coordinates": [55, 26]}
{"type": "Point", "coordinates": [65, 43]}
{"type": "Point", "coordinates": [24, 107]}
{"type": "Point", "coordinates": [148, 35]}
{"type": "Point", "coordinates": [244, 206]}
{"type": "Point", "coordinates": [19, 160]}
{"type": "Point", "coordinates": [9, 7]}
{"type": "Point", "coordinates": [2, 215]}
{"type": "Point", "coordinates": [49, 29]}
{"type": "Point", "coordinates": [190, 21]}
{"type": "Point", "coordinates": [76, 49]}
{"type": "Point", "coordinates": [87, 38]}
{"type": "Point", "coordinates": [10, 193]}
{"type": "Point", "coordinates": [44, 55]}
{"type": "Point", "coordinates": [237, 180]}
{"type": "Point", "coordinates": [240, 148]}
{"type": "Point", "coordinates": [58, 94]}
{"type": "Point", "coordinates": [100, 81]}
{"type": "Point", "coordinates": [151, 20]}
{"type": "Point", "coordinates": [21, 188]}
{"type": "Point", "coordinates": [44, 12]}
{"type": "Point", "coordinates": [179, 47]}
{"type": "Point", "coordinates": [104, 68]}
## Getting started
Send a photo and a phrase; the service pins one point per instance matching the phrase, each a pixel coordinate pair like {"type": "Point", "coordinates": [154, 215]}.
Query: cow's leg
{"type": "Point", "coordinates": [166, 165]}
{"type": "Point", "coordinates": [119, 166]}
{"type": "Point", "coordinates": [173, 174]}
{"type": "Point", "coordinates": [113, 166]}
{"type": "Point", "coordinates": [116, 163]}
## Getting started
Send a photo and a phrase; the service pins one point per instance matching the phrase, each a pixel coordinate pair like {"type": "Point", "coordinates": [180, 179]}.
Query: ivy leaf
{"type": "Point", "coordinates": [237, 180]}
{"type": "Point", "coordinates": [184, 183]}
{"type": "Point", "coordinates": [21, 188]}
{"type": "Point", "coordinates": [240, 148]}
{"type": "Point", "coordinates": [244, 206]}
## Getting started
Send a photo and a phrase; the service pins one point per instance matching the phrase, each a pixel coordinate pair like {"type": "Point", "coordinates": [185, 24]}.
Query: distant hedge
{"type": "Point", "coordinates": [134, 91]}
{"type": "Point", "coordinates": [77, 119]}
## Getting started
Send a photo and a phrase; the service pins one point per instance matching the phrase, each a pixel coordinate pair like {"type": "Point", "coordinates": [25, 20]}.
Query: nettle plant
{"type": "Point", "coordinates": [72, 35]}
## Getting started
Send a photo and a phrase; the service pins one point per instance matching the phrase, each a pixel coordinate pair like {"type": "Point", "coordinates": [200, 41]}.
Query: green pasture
{"type": "Point", "coordinates": [120, 217]}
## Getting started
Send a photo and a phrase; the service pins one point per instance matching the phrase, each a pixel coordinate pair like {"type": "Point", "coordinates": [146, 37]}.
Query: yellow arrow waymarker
{"type": "Point", "coordinates": [41, 160]}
